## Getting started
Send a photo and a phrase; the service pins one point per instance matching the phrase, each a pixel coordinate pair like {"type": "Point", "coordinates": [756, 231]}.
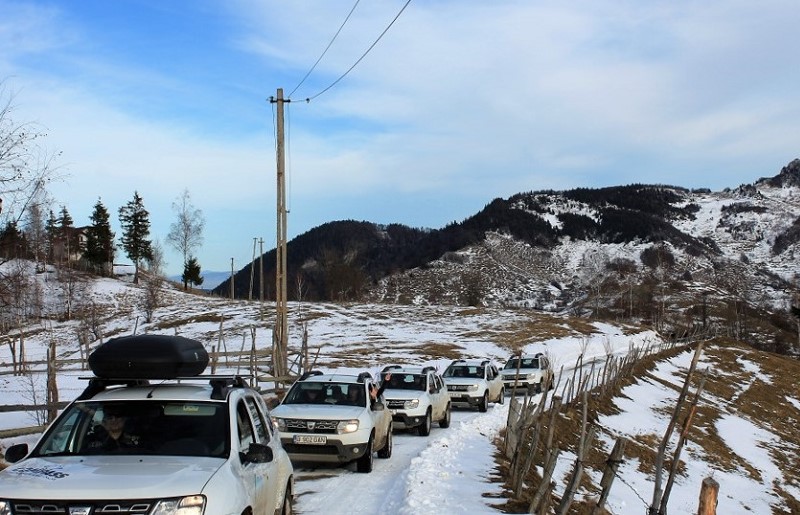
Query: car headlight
{"type": "Point", "coordinates": [191, 505]}
{"type": "Point", "coordinates": [532, 376]}
{"type": "Point", "coordinates": [5, 508]}
{"type": "Point", "coordinates": [347, 426]}
{"type": "Point", "coordinates": [472, 388]}
{"type": "Point", "coordinates": [413, 403]}
{"type": "Point", "coordinates": [279, 423]}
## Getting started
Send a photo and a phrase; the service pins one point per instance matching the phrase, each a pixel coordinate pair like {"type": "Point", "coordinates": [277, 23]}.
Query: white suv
{"type": "Point", "coordinates": [535, 372]}
{"type": "Point", "coordinates": [474, 382]}
{"type": "Point", "coordinates": [195, 445]}
{"type": "Point", "coordinates": [331, 418]}
{"type": "Point", "coordinates": [416, 396]}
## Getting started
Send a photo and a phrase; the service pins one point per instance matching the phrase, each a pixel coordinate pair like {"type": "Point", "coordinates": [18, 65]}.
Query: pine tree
{"type": "Point", "coordinates": [135, 222]}
{"type": "Point", "coordinates": [51, 228]}
{"type": "Point", "coordinates": [100, 240]}
{"type": "Point", "coordinates": [191, 272]}
{"type": "Point", "coordinates": [67, 235]}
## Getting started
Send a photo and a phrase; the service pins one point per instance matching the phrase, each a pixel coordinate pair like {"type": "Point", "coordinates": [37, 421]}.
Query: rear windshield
{"type": "Point", "coordinates": [139, 427]}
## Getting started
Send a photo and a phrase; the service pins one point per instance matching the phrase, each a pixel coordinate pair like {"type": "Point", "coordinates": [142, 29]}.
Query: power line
{"type": "Point", "coordinates": [326, 49]}
{"type": "Point", "coordinates": [309, 99]}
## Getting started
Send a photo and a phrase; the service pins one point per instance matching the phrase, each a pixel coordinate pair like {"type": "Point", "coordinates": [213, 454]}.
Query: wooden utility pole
{"type": "Point", "coordinates": [281, 325]}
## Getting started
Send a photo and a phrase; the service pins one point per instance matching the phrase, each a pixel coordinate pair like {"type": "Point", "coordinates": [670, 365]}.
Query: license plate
{"type": "Point", "coordinates": [310, 439]}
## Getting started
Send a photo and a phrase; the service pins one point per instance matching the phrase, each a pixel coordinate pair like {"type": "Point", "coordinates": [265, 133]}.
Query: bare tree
{"type": "Point", "coordinates": [25, 167]}
{"type": "Point", "coordinates": [152, 296]}
{"type": "Point", "coordinates": [186, 233]}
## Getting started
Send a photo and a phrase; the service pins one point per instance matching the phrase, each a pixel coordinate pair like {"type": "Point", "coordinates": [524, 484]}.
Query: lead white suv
{"type": "Point", "coordinates": [416, 396]}
{"type": "Point", "coordinates": [474, 382]}
{"type": "Point", "coordinates": [331, 418]}
{"type": "Point", "coordinates": [191, 445]}
{"type": "Point", "coordinates": [528, 371]}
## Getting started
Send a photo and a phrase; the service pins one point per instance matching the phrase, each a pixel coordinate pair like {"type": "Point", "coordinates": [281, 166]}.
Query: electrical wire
{"type": "Point", "coordinates": [309, 99]}
{"type": "Point", "coordinates": [326, 49]}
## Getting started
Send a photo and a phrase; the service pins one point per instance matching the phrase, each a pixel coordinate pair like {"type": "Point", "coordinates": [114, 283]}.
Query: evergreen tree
{"type": "Point", "coordinates": [135, 222]}
{"type": "Point", "coordinates": [191, 272]}
{"type": "Point", "coordinates": [51, 228]}
{"type": "Point", "coordinates": [12, 242]}
{"type": "Point", "coordinates": [100, 240]}
{"type": "Point", "coordinates": [67, 234]}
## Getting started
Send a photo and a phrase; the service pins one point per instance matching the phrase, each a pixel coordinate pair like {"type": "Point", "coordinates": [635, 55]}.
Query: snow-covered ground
{"type": "Point", "coordinates": [452, 470]}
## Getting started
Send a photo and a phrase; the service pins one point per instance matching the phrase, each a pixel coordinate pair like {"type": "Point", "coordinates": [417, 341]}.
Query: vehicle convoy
{"type": "Point", "coordinates": [474, 382]}
{"type": "Point", "coordinates": [529, 371]}
{"type": "Point", "coordinates": [416, 397]}
{"type": "Point", "coordinates": [331, 417]}
{"type": "Point", "coordinates": [184, 444]}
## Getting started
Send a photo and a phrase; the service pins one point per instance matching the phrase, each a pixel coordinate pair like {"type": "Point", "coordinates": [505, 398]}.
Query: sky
{"type": "Point", "coordinates": [458, 103]}
{"type": "Point", "coordinates": [451, 470]}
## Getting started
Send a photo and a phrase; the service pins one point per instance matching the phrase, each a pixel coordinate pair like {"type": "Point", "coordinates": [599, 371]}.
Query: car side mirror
{"type": "Point", "coordinates": [258, 453]}
{"type": "Point", "coordinates": [16, 452]}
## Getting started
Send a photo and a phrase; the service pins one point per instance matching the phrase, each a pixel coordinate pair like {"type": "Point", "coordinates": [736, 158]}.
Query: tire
{"type": "Point", "coordinates": [501, 399]}
{"type": "Point", "coordinates": [364, 463]}
{"type": "Point", "coordinates": [425, 428]}
{"type": "Point", "coordinates": [484, 404]}
{"type": "Point", "coordinates": [539, 388]}
{"type": "Point", "coordinates": [286, 509]}
{"type": "Point", "coordinates": [386, 452]}
{"type": "Point", "coordinates": [445, 422]}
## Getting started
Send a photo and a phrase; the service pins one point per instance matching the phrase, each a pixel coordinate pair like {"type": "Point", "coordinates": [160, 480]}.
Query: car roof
{"type": "Point", "coordinates": [172, 391]}
{"type": "Point", "coordinates": [472, 362]}
{"type": "Point", "coordinates": [332, 378]}
{"type": "Point", "coordinates": [410, 369]}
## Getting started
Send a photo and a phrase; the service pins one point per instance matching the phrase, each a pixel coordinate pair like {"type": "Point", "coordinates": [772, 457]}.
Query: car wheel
{"type": "Point", "coordinates": [501, 399]}
{"type": "Point", "coordinates": [386, 452]}
{"type": "Point", "coordinates": [286, 509]}
{"type": "Point", "coordinates": [484, 404]}
{"type": "Point", "coordinates": [445, 422]}
{"type": "Point", "coordinates": [539, 387]}
{"type": "Point", "coordinates": [425, 428]}
{"type": "Point", "coordinates": [364, 463]}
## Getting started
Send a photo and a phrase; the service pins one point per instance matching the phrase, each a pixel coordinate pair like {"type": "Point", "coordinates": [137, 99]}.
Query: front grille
{"type": "Point", "coordinates": [138, 507]}
{"type": "Point", "coordinates": [295, 425]}
{"type": "Point", "coordinates": [310, 449]}
{"type": "Point", "coordinates": [458, 387]}
{"type": "Point", "coordinates": [396, 404]}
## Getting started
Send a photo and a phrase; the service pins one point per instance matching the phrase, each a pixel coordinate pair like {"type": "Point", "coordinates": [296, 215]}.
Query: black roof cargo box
{"type": "Point", "coordinates": [149, 356]}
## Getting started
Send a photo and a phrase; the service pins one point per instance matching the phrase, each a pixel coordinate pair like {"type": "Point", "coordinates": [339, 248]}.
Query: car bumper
{"type": "Point", "coordinates": [465, 398]}
{"type": "Point", "coordinates": [332, 451]}
{"type": "Point", "coordinates": [404, 420]}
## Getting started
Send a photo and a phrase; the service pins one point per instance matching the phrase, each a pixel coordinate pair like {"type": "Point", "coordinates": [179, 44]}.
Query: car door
{"type": "Point", "coordinates": [495, 382]}
{"type": "Point", "coordinates": [379, 421]}
{"type": "Point", "coordinates": [438, 395]}
{"type": "Point", "coordinates": [262, 477]}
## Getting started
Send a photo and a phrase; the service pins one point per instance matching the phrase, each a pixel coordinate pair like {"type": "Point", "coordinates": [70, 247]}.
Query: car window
{"type": "Point", "coordinates": [244, 427]}
{"type": "Point", "coordinates": [258, 419]}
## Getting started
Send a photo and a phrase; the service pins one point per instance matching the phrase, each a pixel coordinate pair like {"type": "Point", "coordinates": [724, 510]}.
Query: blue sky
{"type": "Point", "coordinates": [461, 101]}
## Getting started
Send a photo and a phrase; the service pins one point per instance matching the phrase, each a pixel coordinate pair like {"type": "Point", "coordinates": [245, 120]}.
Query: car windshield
{"type": "Point", "coordinates": [309, 392]}
{"type": "Point", "coordinates": [464, 371]}
{"type": "Point", "coordinates": [173, 428]}
{"type": "Point", "coordinates": [526, 363]}
{"type": "Point", "coordinates": [400, 381]}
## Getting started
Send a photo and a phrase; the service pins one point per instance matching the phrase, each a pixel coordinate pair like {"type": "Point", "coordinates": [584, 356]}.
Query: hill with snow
{"type": "Point", "coordinates": [744, 435]}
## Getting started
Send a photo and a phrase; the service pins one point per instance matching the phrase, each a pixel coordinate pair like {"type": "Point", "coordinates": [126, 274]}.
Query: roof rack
{"type": "Point", "coordinates": [390, 367]}
{"type": "Point", "coordinates": [220, 383]}
{"type": "Point", "coordinates": [428, 369]}
{"type": "Point", "coordinates": [363, 376]}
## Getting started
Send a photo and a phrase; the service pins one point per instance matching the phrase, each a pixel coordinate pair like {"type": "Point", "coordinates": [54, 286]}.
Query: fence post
{"type": "Point", "coordinates": [612, 464]}
{"type": "Point", "coordinates": [708, 497]}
